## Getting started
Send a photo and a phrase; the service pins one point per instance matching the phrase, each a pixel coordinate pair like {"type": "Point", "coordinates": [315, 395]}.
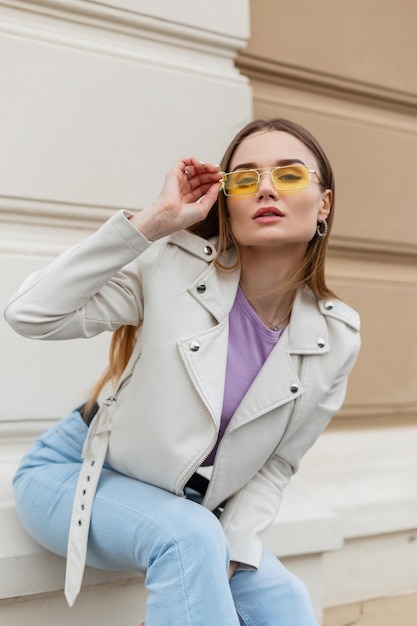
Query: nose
{"type": "Point", "coordinates": [266, 187]}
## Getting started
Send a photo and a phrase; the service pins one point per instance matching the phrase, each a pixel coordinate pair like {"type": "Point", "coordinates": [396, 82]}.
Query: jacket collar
{"type": "Point", "coordinates": [216, 291]}
{"type": "Point", "coordinates": [279, 380]}
{"type": "Point", "coordinates": [202, 248]}
{"type": "Point", "coordinates": [307, 331]}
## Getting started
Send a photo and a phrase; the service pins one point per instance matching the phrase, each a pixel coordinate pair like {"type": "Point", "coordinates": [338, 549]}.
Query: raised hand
{"type": "Point", "coordinates": [189, 191]}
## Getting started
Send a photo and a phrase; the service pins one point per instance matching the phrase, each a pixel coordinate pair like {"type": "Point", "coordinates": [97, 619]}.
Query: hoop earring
{"type": "Point", "coordinates": [322, 233]}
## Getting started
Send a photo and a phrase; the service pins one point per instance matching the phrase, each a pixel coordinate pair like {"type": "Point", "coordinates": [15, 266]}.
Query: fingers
{"type": "Point", "coordinates": [198, 178]}
{"type": "Point", "coordinates": [209, 196]}
{"type": "Point", "coordinates": [189, 191]}
{"type": "Point", "coordinates": [198, 172]}
{"type": "Point", "coordinates": [196, 167]}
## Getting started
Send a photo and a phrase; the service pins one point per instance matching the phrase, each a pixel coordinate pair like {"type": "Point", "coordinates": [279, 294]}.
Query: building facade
{"type": "Point", "coordinates": [98, 100]}
{"type": "Point", "coordinates": [345, 70]}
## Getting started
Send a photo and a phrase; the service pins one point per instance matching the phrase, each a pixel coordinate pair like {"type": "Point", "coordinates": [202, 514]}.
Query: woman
{"type": "Point", "coordinates": [229, 351]}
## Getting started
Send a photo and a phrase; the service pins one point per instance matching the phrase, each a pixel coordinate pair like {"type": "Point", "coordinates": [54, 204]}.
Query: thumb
{"type": "Point", "coordinates": [211, 196]}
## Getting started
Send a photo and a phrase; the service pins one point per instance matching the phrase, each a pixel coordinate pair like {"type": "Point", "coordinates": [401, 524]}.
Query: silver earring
{"type": "Point", "coordinates": [322, 232]}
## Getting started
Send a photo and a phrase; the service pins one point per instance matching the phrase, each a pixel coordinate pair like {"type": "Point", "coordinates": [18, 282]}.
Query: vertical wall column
{"type": "Point", "coordinates": [98, 101]}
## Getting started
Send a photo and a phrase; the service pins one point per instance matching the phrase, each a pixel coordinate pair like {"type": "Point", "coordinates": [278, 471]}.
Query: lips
{"type": "Point", "coordinates": [268, 211]}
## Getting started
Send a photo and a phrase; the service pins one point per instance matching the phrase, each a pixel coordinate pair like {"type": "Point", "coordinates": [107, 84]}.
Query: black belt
{"type": "Point", "coordinates": [200, 484]}
{"type": "Point", "coordinates": [88, 415]}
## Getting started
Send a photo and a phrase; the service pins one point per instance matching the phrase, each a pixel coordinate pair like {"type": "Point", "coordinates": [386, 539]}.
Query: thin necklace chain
{"type": "Point", "coordinates": [272, 325]}
{"type": "Point", "coordinates": [275, 326]}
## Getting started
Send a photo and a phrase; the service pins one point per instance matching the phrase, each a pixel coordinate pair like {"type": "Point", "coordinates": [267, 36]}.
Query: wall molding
{"type": "Point", "coordinates": [136, 37]}
{"type": "Point", "coordinates": [372, 250]}
{"type": "Point", "coordinates": [36, 227]}
{"type": "Point", "coordinates": [120, 19]}
{"type": "Point", "coordinates": [392, 413]}
{"type": "Point", "coordinates": [329, 85]}
{"type": "Point", "coordinates": [22, 431]}
{"type": "Point", "coordinates": [39, 212]}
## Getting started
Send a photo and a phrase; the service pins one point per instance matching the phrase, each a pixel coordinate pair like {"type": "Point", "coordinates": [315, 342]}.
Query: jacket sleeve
{"type": "Point", "coordinates": [84, 291]}
{"type": "Point", "coordinates": [249, 512]}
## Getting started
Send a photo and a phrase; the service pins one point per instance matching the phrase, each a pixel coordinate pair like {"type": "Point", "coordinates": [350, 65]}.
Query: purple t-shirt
{"type": "Point", "coordinates": [250, 343]}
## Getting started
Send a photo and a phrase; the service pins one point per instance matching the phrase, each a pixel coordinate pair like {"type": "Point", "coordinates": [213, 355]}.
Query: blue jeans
{"type": "Point", "coordinates": [176, 542]}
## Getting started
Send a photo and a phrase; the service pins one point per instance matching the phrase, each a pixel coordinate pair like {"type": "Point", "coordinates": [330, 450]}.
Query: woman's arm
{"type": "Point", "coordinates": [96, 285]}
{"type": "Point", "coordinates": [84, 291]}
{"type": "Point", "coordinates": [253, 509]}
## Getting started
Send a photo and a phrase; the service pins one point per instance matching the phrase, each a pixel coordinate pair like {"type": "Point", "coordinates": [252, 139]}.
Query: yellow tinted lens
{"type": "Point", "coordinates": [240, 183]}
{"type": "Point", "coordinates": [291, 177]}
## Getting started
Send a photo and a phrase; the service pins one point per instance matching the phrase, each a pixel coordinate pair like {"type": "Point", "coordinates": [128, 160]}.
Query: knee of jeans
{"type": "Point", "coordinates": [298, 589]}
{"type": "Point", "coordinates": [201, 528]}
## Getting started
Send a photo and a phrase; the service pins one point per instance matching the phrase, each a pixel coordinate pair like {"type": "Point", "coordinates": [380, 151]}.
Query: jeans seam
{"type": "Point", "coordinates": [242, 614]}
{"type": "Point", "coordinates": [169, 538]}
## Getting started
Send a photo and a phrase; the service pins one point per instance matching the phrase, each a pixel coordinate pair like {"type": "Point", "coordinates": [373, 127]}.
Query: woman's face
{"type": "Point", "coordinates": [271, 217]}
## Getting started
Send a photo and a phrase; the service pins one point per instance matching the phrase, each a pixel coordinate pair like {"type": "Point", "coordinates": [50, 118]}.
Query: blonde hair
{"type": "Point", "coordinates": [310, 272]}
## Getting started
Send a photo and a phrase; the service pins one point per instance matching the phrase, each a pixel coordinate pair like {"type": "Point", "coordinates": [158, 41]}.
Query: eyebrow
{"type": "Point", "coordinates": [280, 162]}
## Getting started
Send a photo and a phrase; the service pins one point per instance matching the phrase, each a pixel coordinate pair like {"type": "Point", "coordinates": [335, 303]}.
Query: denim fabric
{"type": "Point", "coordinates": [177, 543]}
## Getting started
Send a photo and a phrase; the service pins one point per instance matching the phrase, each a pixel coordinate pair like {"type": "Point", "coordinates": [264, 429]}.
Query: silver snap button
{"type": "Point", "coordinates": [294, 388]}
{"type": "Point", "coordinates": [201, 288]}
{"type": "Point", "coordinates": [328, 305]}
{"type": "Point", "coordinates": [320, 342]}
{"type": "Point", "coordinates": [194, 346]}
{"type": "Point", "coordinates": [207, 250]}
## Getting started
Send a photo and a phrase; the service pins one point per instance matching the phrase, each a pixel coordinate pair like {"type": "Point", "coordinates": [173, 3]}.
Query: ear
{"type": "Point", "coordinates": [325, 205]}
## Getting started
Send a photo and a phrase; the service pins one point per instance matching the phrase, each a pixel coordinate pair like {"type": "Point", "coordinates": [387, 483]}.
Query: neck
{"type": "Point", "coordinates": [269, 286]}
{"type": "Point", "coordinates": [266, 269]}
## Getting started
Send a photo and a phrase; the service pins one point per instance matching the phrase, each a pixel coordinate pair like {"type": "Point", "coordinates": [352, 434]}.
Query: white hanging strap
{"type": "Point", "coordinates": [94, 454]}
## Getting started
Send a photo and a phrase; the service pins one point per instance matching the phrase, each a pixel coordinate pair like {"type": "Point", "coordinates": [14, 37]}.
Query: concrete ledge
{"type": "Point", "coordinates": [32, 578]}
{"type": "Point", "coordinates": [397, 610]}
{"type": "Point", "coordinates": [335, 531]}
{"type": "Point", "coordinates": [28, 569]}
{"type": "Point", "coordinates": [303, 526]}
{"type": "Point", "coordinates": [25, 567]}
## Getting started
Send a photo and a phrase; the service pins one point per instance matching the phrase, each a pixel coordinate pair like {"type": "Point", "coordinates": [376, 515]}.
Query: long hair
{"type": "Point", "coordinates": [216, 224]}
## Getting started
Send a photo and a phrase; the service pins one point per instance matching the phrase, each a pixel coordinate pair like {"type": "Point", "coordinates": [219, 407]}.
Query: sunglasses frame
{"type": "Point", "coordinates": [265, 170]}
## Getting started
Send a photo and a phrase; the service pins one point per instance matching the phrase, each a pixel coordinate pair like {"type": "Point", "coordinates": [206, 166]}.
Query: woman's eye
{"type": "Point", "coordinates": [248, 180]}
{"type": "Point", "coordinates": [288, 174]}
{"type": "Point", "coordinates": [289, 177]}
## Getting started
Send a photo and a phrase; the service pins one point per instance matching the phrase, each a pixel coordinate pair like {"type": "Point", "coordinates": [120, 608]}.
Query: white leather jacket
{"type": "Point", "coordinates": [163, 420]}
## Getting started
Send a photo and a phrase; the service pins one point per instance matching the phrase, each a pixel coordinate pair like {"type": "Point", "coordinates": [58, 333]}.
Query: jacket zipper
{"type": "Point", "coordinates": [188, 475]}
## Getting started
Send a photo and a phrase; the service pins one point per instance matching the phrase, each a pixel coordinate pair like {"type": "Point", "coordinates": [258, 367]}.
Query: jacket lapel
{"type": "Point", "coordinates": [216, 291]}
{"type": "Point", "coordinates": [278, 382]}
{"type": "Point", "coordinates": [204, 354]}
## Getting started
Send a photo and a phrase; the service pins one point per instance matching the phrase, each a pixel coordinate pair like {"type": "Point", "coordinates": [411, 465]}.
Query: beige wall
{"type": "Point", "coordinates": [346, 71]}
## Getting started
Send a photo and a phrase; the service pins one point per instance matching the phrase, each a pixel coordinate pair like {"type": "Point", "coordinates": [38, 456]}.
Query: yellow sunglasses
{"type": "Point", "coordinates": [285, 178]}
